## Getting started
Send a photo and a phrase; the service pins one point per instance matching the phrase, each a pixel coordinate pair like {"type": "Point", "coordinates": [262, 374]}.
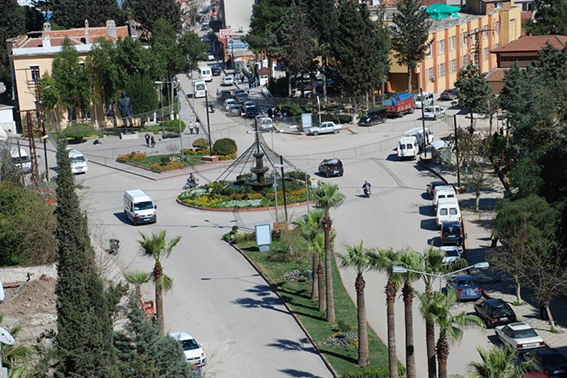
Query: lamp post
{"type": "Point", "coordinates": [423, 123]}
{"type": "Point", "coordinates": [180, 129]}
{"type": "Point", "coordinates": [208, 123]}
{"type": "Point", "coordinates": [401, 269]}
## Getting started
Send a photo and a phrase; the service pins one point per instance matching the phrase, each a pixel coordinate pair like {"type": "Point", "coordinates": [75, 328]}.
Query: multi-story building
{"type": "Point", "coordinates": [31, 55]}
{"type": "Point", "coordinates": [467, 37]}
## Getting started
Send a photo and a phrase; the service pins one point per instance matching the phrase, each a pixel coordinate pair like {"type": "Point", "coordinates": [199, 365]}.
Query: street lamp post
{"type": "Point", "coordinates": [401, 269]}
{"type": "Point", "coordinates": [208, 122]}
{"type": "Point", "coordinates": [180, 129]}
{"type": "Point", "coordinates": [423, 123]}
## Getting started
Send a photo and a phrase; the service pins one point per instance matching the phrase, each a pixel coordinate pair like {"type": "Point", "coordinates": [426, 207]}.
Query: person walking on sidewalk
{"type": "Point", "coordinates": [153, 141]}
{"type": "Point", "coordinates": [147, 137]}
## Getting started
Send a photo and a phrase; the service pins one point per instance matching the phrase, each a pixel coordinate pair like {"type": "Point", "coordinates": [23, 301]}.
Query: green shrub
{"type": "Point", "coordinates": [173, 126]}
{"type": "Point", "coordinates": [343, 326]}
{"type": "Point", "coordinates": [369, 373]}
{"type": "Point", "coordinates": [224, 146]}
{"type": "Point", "coordinates": [78, 131]}
{"type": "Point", "coordinates": [296, 175]}
{"type": "Point", "coordinates": [201, 143]}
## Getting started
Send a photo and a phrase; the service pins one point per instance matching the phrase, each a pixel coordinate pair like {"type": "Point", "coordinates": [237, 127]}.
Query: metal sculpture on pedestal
{"type": "Point", "coordinates": [125, 108]}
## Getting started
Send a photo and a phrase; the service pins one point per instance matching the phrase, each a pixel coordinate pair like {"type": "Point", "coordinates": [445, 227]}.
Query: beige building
{"type": "Point", "coordinates": [31, 55]}
{"type": "Point", "coordinates": [456, 42]}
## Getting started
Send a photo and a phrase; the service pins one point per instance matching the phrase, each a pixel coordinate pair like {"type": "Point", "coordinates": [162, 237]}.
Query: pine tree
{"type": "Point", "coordinates": [472, 90]}
{"type": "Point", "coordinates": [11, 26]}
{"type": "Point", "coordinates": [147, 12]}
{"type": "Point", "coordinates": [142, 91]}
{"type": "Point", "coordinates": [84, 340]}
{"type": "Point", "coordinates": [410, 36]}
{"type": "Point", "coordinates": [550, 17]}
{"type": "Point", "coordinates": [73, 13]}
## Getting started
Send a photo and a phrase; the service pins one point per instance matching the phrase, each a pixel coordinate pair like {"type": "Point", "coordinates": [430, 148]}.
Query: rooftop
{"type": "Point", "coordinates": [533, 43]}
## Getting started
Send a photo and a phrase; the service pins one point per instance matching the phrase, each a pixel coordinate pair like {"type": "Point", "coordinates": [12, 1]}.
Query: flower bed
{"type": "Point", "coordinates": [221, 195]}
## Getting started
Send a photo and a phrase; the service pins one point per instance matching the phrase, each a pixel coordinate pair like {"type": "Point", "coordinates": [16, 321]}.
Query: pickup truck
{"type": "Point", "coordinates": [326, 128]}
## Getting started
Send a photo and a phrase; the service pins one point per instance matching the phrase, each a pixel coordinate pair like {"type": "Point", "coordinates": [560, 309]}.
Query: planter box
{"type": "Point", "coordinates": [212, 159]}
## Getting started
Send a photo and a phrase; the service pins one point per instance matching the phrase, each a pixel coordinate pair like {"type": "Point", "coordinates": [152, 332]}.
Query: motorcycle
{"type": "Point", "coordinates": [114, 245]}
{"type": "Point", "coordinates": [190, 184]}
{"type": "Point", "coordinates": [367, 192]}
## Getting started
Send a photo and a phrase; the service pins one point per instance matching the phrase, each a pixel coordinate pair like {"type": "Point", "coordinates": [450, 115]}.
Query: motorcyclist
{"type": "Point", "coordinates": [191, 181]}
{"type": "Point", "coordinates": [366, 187]}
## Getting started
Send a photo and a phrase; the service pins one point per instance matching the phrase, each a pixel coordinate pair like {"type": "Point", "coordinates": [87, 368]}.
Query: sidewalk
{"type": "Point", "coordinates": [495, 285]}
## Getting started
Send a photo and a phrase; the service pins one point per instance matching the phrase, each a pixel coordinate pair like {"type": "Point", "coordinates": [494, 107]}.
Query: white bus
{"type": "Point", "coordinates": [200, 89]}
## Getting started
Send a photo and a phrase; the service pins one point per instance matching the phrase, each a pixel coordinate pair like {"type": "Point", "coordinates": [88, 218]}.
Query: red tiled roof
{"type": "Point", "coordinates": [496, 75]}
{"type": "Point", "coordinates": [533, 43]}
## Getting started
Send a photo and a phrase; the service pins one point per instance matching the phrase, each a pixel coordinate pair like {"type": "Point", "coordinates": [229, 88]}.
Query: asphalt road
{"type": "Point", "coordinates": [220, 299]}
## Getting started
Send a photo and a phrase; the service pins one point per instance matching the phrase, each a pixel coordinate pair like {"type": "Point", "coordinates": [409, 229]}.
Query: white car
{"type": "Point", "coordinates": [432, 112]}
{"type": "Point", "coordinates": [452, 253]}
{"type": "Point", "coordinates": [520, 336]}
{"type": "Point", "coordinates": [249, 104]}
{"type": "Point", "coordinates": [227, 81]}
{"type": "Point", "coordinates": [229, 102]}
{"type": "Point", "coordinates": [326, 128]}
{"type": "Point", "coordinates": [191, 348]}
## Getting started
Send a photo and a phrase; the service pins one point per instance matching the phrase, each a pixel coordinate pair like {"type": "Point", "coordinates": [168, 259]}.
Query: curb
{"type": "Point", "coordinates": [325, 361]}
{"type": "Point", "coordinates": [234, 210]}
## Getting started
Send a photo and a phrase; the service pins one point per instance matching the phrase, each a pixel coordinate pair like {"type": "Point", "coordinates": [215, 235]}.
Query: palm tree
{"type": "Point", "coordinates": [384, 260]}
{"type": "Point", "coordinates": [497, 363]}
{"type": "Point", "coordinates": [319, 249]}
{"type": "Point", "coordinates": [16, 357]}
{"type": "Point", "coordinates": [409, 259]}
{"type": "Point", "coordinates": [327, 196]}
{"type": "Point", "coordinates": [138, 278]}
{"type": "Point", "coordinates": [357, 258]}
{"type": "Point", "coordinates": [310, 226]}
{"type": "Point", "coordinates": [156, 248]}
{"type": "Point", "coordinates": [438, 308]}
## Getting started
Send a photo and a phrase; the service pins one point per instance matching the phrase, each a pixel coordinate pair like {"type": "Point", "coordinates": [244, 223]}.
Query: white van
{"type": "Point", "coordinates": [139, 207]}
{"type": "Point", "coordinates": [199, 89]}
{"type": "Point", "coordinates": [424, 99]}
{"type": "Point", "coordinates": [205, 73]}
{"type": "Point", "coordinates": [448, 210]}
{"type": "Point", "coordinates": [78, 161]}
{"type": "Point", "coordinates": [418, 133]}
{"type": "Point", "coordinates": [443, 192]}
{"type": "Point", "coordinates": [408, 147]}
{"type": "Point", "coordinates": [20, 158]}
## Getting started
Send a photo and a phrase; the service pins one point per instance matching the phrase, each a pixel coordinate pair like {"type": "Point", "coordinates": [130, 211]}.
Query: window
{"type": "Point", "coordinates": [441, 47]}
{"type": "Point", "coordinates": [454, 66]}
{"type": "Point", "coordinates": [442, 70]}
{"type": "Point", "coordinates": [34, 70]}
{"type": "Point", "coordinates": [485, 32]}
{"type": "Point", "coordinates": [464, 38]}
{"type": "Point", "coordinates": [453, 42]}
{"type": "Point", "coordinates": [428, 53]}
{"type": "Point", "coordinates": [496, 24]}
{"type": "Point", "coordinates": [475, 35]}
{"type": "Point", "coordinates": [485, 54]}
{"type": "Point", "coordinates": [430, 74]}
{"type": "Point", "coordinates": [464, 61]}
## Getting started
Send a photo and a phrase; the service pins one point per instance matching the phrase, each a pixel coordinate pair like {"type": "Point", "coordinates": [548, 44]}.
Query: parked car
{"type": "Point", "coordinates": [251, 111]}
{"type": "Point", "coordinates": [234, 110]}
{"type": "Point", "coordinates": [452, 253]}
{"type": "Point", "coordinates": [547, 361]}
{"type": "Point", "coordinates": [407, 148]}
{"type": "Point", "coordinates": [423, 99]}
{"type": "Point", "coordinates": [447, 210]}
{"type": "Point", "coordinates": [227, 81]}
{"type": "Point", "coordinates": [249, 103]}
{"type": "Point", "coordinates": [451, 233]}
{"type": "Point", "coordinates": [264, 122]}
{"type": "Point", "coordinates": [216, 70]}
{"type": "Point", "coordinates": [229, 102]}
{"type": "Point", "coordinates": [241, 98]}
{"type": "Point", "coordinates": [326, 128]}
{"type": "Point", "coordinates": [442, 192]}
{"type": "Point", "coordinates": [465, 287]}
{"type": "Point", "coordinates": [448, 95]}
{"type": "Point", "coordinates": [373, 117]}
{"type": "Point", "coordinates": [432, 112]}
{"type": "Point", "coordinates": [191, 348]}
{"type": "Point", "coordinates": [239, 91]}
{"type": "Point", "coordinates": [495, 312]}
{"type": "Point", "coordinates": [224, 94]}
{"type": "Point", "coordinates": [431, 187]}
{"type": "Point", "coordinates": [520, 336]}
{"type": "Point", "coordinates": [331, 167]}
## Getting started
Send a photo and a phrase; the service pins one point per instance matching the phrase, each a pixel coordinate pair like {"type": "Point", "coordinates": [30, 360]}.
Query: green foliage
{"type": "Point", "coordinates": [343, 326]}
{"type": "Point", "coordinates": [33, 18]}
{"type": "Point", "coordinates": [201, 143]}
{"type": "Point", "coordinates": [265, 20]}
{"type": "Point", "coordinates": [525, 176]}
{"type": "Point", "coordinates": [83, 318]}
{"type": "Point", "coordinates": [472, 90]}
{"type": "Point", "coordinates": [230, 235]}
{"type": "Point", "coordinates": [168, 356]}
{"type": "Point", "coordinates": [550, 18]}
{"type": "Point", "coordinates": [73, 13]}
{"type": "Point", "coordinates": [11, 26]}
{"type": "Point", "coordinates": [296, 40]}
{"type": "Point", "coordinates": [131, 58]}
{"type": "Point", "coordinates": [165, 46]}
{"type": "Point", "coordinates": [193, 49]}
{"type": "Point", "coordinates": [369, 373]}
{"type": "Point", "coordinates": [174, 126]}
{"type": "Point", "coordinates": [498, 363]}
{"type": "Point", "coordinates": [410, 37]}
{"type": "Point", "coordinates": [78, 131]}
{"type": "Point", "coordinates": [224, 146]}
{"type": "Point", "coordinates": [27, 224]}
{"type": "Point", "coordinates": [49, 94]}
{"type": "Point", "coordinates": [142, 92]}
{"type": "Point", "coordinates": [148, 13]}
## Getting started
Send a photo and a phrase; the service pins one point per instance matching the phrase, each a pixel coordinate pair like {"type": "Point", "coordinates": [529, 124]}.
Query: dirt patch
{"type": "Point", "coordinates": [33, 306]}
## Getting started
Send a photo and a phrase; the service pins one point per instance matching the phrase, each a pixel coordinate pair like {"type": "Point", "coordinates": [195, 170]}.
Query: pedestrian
{"type": "Point", "coordinates": [242, 79]}
{"type": "Point", "coordinates": [147, 137]}
{"type": "Point", "coordinates": [153, 141]}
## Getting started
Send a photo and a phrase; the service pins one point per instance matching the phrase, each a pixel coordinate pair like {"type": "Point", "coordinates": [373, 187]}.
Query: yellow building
{"type": "Point", "coordinates": [31, 55]}
{"type": "Point", "coordinates": [483, 26]}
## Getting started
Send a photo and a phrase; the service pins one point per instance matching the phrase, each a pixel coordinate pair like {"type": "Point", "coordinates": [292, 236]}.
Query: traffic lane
{"type": "Point", "coordinates": [390, 219]}
{"type": "Point", "coordinates": [237, 315]}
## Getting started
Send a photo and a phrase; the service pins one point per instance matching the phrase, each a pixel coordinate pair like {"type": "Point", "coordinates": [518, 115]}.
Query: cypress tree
{"type": "Point", "coordinates": [73, 13]}
{"type": "Point", "coordinates": [84, 340]}
{"type": "Point", "coordinates": [147, 12]}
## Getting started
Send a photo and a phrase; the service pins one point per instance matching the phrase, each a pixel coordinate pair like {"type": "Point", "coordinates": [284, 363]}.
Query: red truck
{"type": "Point", "coordinates": [399, 105]}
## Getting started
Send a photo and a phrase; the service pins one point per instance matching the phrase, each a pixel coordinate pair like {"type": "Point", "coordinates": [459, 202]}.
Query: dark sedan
{"type": "Point", "coordinates": [448, 95]}
{"type": "Point", "coordinates": [216, 70]}
{"type": "Point", "coordinates": [547, 361]}
{"type": "Point", "coordinates": [495, 312]}
{"type": "Point", "coordinates": [331, 167]}
{"type": "Point", "coordinates": [451, 233]}
{"type": "Point", "coordinates": [252, 112]}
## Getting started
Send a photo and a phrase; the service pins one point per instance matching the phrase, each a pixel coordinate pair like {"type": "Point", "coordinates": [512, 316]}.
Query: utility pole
{"type": "Point", "coordinates": [41, 120]}
{"type": "Point", "coordinates": [208, 122]}
{"type": "Point", "coordinates": [283, 188]}
{"type": "Point", "coordinates": [457, 151]}
{"type": "Point", "coordinates": [423, 122]}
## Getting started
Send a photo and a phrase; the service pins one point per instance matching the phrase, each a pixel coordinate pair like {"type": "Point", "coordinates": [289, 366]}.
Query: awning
{"type": "Point", "coordinates": [438, 144]}
{"type": "Point", "coordinates": [442, 11]}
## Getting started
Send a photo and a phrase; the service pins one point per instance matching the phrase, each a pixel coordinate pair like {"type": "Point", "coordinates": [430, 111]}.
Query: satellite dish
{"type": "Point", "coordinates": [6, 337]}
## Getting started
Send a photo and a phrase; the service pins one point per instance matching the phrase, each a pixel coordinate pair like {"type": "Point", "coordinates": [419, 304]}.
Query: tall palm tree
{"type": "Point", "coordinates": [327, 196]}
{"type": "Point", "coordinates": [497, 363]}
{"type": "Point", "coordinates": [319, 249]}
{"type": "Point", "coordinates": [310, 226]}
{"type": "Point", "coordinates": [450, 326]}
{"type": "Point", "coordinates": [157, 248]}
{"type": "Point", "coordinates": [138, 278]}
{"type": "Point", "coordinates": [384, 260]}
{"type": "Point", "coordinates": [409, 259]}
{"type": "Point", "coordinates": [357, 258]}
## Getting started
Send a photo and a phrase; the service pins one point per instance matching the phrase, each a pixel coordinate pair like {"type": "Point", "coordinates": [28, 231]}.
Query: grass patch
{"type": "Point", "coordinates": [298, 297]}
{"type": "Point", "coordinates": [517, 303]}
{"type": "Point", "coordinates": [150, 162]}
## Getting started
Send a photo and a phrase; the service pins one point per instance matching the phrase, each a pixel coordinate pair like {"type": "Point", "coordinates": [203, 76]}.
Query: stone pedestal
{"type": "Point", "coordinates": [129, 136]}
{"type": "Point", "coordinates": [212, 159]}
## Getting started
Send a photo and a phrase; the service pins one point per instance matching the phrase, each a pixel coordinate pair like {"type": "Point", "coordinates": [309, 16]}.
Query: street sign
{"type": "Point", "coordinates": [236, 44]}
{"type": "Point", "coordinates": [225, 32]}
